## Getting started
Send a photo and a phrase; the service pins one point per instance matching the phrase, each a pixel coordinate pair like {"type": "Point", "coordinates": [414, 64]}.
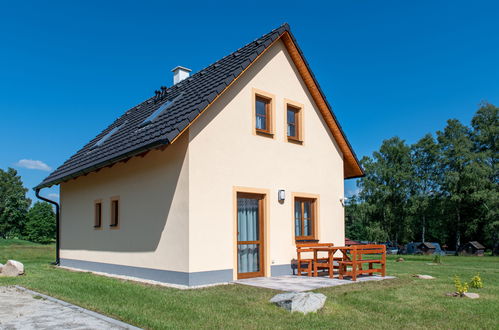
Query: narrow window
{"type": "Point", "coordinates": [98, 214]}
{"type": "Point", "coordinates": [304, 218]}
{"type": "Point", "coordinates": [115, 208]}
{"type": "Point", "coordinates": [263, 115]}
{"type": "Point", "coordinates": [293, 118]}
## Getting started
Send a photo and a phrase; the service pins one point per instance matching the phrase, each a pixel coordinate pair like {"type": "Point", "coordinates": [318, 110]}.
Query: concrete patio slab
{"type": "Point", "coordinates": [303, 283]}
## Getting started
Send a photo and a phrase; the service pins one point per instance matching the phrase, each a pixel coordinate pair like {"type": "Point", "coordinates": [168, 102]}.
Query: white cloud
{"type": "Point", "coordinates": [33, 165]}
{"type": "Point", "coordinates": [53, 195]}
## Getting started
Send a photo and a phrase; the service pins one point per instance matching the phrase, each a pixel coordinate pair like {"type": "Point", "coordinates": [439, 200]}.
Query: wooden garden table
{"type": "Point", "coordinates": [329, 261]}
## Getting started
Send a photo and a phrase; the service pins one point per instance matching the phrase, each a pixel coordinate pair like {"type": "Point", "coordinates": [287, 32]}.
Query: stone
{"type": "Point", "coordinates": [471, 295]}
{"type": "Point", "coordinates": [1, 266]}
{"type": "Point", "coordinates": [424, 277]}
{"type": "Point", "coordinates": [13, 268]}
{"type": "Point", "coordinates": [304, 302]}
{"type": "Point", "coordinates": [399, 259]}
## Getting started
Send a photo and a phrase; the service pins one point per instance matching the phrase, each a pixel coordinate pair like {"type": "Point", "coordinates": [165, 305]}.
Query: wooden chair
{"type": "Point", "coordinates": [361, 255]}
{"type": "Point", "coordinates": [306, 264]}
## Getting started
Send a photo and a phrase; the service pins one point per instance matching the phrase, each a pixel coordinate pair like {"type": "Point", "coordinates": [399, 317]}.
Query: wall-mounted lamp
{"type": "Point", "coordinates": [343, 201]}
{"type": "Point", "coordinates": [281, 195]}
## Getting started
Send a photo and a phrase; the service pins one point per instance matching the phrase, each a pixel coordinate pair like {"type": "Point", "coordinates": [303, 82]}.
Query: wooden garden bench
{"type": "Point", "coordinates": [361, 255]}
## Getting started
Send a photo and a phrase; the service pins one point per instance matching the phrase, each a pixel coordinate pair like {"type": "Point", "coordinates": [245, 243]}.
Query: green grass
{"type": "Point", "coordinates": [405, 302]}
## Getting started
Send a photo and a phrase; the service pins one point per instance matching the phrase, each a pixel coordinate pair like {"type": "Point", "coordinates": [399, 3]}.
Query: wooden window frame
{"type": "Point", "coordinates": [98, 216]}
{"type": "Point", "coordinates": [112, 214]}
{"type": "Point", "coordinates": [314, 213]}
{"type": "Point", "coordinates": [298, 109]}
{"type": "Point", "coordinates": [269, 118]}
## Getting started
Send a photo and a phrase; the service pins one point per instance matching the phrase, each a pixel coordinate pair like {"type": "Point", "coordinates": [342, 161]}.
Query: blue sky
{"type": "Point", "coordinates": [69, 68]}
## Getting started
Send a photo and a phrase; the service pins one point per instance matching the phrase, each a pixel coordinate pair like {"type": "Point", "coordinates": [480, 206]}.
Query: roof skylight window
{"type": "Point", "coordinates": [159, 111]}
{"type": "Point", "coordinates": [108, 135]}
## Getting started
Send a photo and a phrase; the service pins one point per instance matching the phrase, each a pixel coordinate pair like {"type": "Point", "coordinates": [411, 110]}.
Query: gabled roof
{"type": "Point", "coordinates": [349, 241]}
{"type": "Point", "coordinates": [129, 136]}
{"type": "Point", "coordinates": [477, 245]}
{"type": "Point", "coordinates": [427, 245]}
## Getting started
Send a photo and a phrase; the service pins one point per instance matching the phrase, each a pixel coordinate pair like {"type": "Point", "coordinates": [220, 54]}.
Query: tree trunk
{"type": "Point", "coordinates": [423, 238]}
{"type": "Point", "coordinates": [458, 232]}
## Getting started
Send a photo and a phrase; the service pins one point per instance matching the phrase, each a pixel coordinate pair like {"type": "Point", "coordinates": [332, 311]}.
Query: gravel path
{"type": "Point", "coordinates": [24, 309]}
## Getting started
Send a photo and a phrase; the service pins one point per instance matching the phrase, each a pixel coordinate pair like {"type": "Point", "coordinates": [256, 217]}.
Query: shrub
{"type": "Point", "coordinates": [40, 227]}
{"type": "Point", "coordinates": [476, 282]}
{"type": "Point", "coordinates": [461, 287]}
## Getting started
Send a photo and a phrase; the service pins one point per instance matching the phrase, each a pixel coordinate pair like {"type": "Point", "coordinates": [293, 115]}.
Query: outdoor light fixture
{"type": "Point", "coordinates": [343, 201]}
{"type": "Point", "coordinates": [281, 195]}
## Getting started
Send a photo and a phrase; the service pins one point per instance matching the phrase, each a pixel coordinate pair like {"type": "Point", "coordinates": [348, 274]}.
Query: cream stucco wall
{"type": "Point", "coordinates": [225, 153]}
{"type": "Point", "coordinates": [177, 207]}
{"type": "Point", "coordinates": [154, 219]}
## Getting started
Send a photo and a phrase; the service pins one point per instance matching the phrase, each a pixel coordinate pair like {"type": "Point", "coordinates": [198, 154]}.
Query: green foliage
{"type": "Point", "coordinates": [444, 189]}
{"type": "Point", "coordinates": [437, 259]}
{"type": "Point", "coordinates": [374, 233]}
{"type": "Point", "coordinates": [13, 204]}
{"type": "Point", "coordinates": [386, 188]}
{"type": "Point", "coordinates": [476, 282]}
{"type": "Point", "coordinates": [461, 287]}
{"type": "Point", "coordinates": [40, 227]}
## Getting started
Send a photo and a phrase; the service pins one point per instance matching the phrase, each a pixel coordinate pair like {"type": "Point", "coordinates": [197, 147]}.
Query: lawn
{"type": "Point", "coordinates": [405, 302]}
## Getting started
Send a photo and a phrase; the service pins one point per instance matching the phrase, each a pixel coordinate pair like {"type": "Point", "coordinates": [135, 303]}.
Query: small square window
{"type": "Point", "coordinates": [115, 214]}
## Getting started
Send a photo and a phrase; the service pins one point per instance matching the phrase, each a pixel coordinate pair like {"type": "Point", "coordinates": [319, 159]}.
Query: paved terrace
{"type": "Point", "coordinates": [303, 283]}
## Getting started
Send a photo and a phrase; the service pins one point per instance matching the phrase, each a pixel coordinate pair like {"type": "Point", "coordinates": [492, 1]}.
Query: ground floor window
{"type": "Point", "coordinates": [304, 218]}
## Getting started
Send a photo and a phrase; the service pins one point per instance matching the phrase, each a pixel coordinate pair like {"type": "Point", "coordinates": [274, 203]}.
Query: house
{"type": "Point", "coordinates": [472, 248]}
{"type": "Point", "coordinates": [212, 179]}
{"type": "Point", "coordinates": [426, 248]}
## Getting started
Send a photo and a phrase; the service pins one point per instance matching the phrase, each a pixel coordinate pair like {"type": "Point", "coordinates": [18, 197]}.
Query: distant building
{"type": "Point", "coordinates": [472, 248]}
{"type": "Point", "coordinates": [349, 242]}
{"type": "Point", "coordinates": [426, 248]}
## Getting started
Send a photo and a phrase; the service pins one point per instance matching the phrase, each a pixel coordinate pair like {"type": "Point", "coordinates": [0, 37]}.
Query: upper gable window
{"type": "Point", "coordinates": [263, 115]}
{"type": "Point", "coordinates": [294, 122]}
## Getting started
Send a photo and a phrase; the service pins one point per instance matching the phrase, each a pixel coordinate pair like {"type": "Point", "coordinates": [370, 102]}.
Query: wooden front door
{"type": "Point", "coordinates": [250, 247]}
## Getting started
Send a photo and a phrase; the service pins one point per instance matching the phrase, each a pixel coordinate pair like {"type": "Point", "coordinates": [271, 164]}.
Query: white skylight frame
{"type": "Point", "coordinates": [108, 135]}
{"type": "Point", "coordinates": [153, 116]}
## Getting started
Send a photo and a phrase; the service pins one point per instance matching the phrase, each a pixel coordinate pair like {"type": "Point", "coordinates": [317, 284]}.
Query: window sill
{"type": "Point", "coordinates": [294, 140]}
{"type": "Point", "coordinates": [306, 240]}
{"type": "Point", "coordinates": [265, 133]}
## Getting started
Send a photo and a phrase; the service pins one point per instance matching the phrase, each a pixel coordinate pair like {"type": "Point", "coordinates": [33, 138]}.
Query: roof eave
{"type": "Point", "coordinates": [98, 166]}
{"type": "Point", "coordinates": [355, 170]}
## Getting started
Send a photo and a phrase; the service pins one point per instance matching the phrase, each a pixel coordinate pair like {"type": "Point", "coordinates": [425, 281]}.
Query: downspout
{"type": "Point", "coordinates": [37, 193]}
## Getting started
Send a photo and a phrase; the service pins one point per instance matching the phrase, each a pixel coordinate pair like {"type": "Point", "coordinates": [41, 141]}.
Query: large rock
{"type": "Point", "coordinates": [304, 302]}
{"type": "Point", "coordinates": [424, 277]}
{"type": "Point", "coordinates": [471, 295]}
{"type": "Point", "coordinates": [13, 268]}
